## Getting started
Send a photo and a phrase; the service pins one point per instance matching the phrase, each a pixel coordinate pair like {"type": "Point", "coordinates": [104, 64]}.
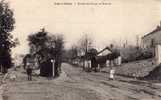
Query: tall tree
{"type": "Point", "coordinates": [37, 43]}
{"type": "Point", "coordinates": [47, 46]}
{"type": "Point", "coordinates": [59, 47]}
{"type": "Point", "coordinates": [73, 51]}
{"type": "Point", "coordinates": [7, 22]}
{"type": "Point", "coordinates": [86, 43]}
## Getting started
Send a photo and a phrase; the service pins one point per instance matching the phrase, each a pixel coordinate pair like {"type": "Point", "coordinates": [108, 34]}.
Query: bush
{"type": "Point", "coordinates": [132, 53]}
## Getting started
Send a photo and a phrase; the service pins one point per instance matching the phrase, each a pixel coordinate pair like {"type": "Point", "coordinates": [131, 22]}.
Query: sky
{"type": "Point", "coordinates": [114, 23]}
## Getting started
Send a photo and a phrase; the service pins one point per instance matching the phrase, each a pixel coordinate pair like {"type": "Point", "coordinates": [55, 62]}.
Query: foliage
{"type": "Point", "coordinates": [86, 43]}
{"type": "Point", "coordinates": [91, 53]}
{"type": "Point", "coordinates": [132, 53]}
{"type": "Point", "coordinates": [37, 43]}
{"type": "Point", "coordinates": [7, 22]}
{"type": "Point", "coordinates": [45, 46]}
{"type": "Point", "coordinates": [73, 52]}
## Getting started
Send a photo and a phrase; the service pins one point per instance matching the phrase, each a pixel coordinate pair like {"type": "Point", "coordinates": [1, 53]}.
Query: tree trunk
{"type": "Point", "coordinates": [4, 70]}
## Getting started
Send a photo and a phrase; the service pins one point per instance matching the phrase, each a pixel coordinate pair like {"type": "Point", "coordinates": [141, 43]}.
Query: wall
{"type": "Point", "coordinates": [146, 41]}
{"type": "Point", "coordinates": [158, 54]}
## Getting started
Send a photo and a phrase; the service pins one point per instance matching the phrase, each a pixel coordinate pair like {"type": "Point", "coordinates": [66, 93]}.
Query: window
{"type": "Point", "coordinates": [152, 43]}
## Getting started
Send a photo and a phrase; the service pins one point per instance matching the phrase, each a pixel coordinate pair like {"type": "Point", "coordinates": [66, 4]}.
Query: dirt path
{"type": "Point", "coordinates": [74, 84]}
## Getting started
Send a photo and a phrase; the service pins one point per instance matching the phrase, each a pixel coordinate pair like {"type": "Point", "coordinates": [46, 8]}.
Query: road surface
{"type": "Point", "coordinates": [75, 84]}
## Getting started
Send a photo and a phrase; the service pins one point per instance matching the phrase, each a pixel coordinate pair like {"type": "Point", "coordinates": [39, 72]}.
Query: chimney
{"type": "Point", "coordinates": [159, 26]}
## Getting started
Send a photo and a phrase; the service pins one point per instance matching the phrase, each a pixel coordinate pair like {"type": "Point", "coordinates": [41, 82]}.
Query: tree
{"type": "Point", "coordinates": [86, 43]}
{"type": "Point", "coordinates": [46, 46]}
{"type": "Point", "coordinates": [59, 47]}
{"type": "Point", "coordinates": [6, 39]}
{"type": "Point", "coordinates": [37, 43]}
{"type": "Point", "coordinates": [137, 42]}
{"type": "Point", "coordinates": [73, 51]}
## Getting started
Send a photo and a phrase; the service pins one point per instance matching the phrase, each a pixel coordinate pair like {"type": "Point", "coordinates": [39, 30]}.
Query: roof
{"type": "Point", "coordinates": [153, 32]}
{"type": "Point", "coordinates": [106, 48]}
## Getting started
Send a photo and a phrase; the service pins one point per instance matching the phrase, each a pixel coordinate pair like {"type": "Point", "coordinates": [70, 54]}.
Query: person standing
{"type": "Point", "coordinates": [28, 65]}
{"type": "Point", "coordinates": [29, 71]}
{"type": "Point", "coordinates": [112, 72]}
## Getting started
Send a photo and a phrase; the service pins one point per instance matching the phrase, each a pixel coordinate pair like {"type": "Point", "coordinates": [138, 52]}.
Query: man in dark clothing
{"type": "Point", "coordinates": [29, 71]}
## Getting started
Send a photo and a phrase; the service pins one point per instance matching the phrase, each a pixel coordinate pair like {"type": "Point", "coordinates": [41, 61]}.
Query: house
{"type": "Point", "coordinates": [101, 57]}
{"type": "Point", "coordinates": [151, 39]}
{"type": "Point", "coordinates": [95, 60]}
{"type": "Point", "coordinates": [87, 61]}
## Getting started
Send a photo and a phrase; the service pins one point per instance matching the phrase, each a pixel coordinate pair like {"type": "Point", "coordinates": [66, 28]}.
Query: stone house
{"type": "Point", "coordinates": [151, 39]}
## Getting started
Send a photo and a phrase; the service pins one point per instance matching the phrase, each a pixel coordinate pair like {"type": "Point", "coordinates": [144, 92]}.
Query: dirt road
{"type": "Point", "coordinates": [74, 84]}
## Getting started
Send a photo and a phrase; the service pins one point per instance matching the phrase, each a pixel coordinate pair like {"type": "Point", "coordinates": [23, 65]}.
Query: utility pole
{"type": "Point", "coordinates": [137, 41]}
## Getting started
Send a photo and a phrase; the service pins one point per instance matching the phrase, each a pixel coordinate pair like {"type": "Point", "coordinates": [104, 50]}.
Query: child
{"type": "Point", "coordinates": [112, 72]}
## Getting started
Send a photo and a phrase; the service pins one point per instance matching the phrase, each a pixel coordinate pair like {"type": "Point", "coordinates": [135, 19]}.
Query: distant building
{"type": "Point", "coordinates": [103, 52]}
{"type": "Point", "coordinates": [151, 39]}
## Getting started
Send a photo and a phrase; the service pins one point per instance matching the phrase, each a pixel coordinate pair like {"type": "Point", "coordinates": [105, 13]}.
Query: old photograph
{"type": "Point", "coordinates": [80, 49]}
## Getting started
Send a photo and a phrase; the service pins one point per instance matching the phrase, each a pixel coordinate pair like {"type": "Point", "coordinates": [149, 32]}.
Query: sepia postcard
{"type": "Point", "coordinates": [80, 49]}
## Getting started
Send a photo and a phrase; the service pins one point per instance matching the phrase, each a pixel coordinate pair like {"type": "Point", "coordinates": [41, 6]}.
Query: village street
{"type": "Point", "coordinates": [75, 84]}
